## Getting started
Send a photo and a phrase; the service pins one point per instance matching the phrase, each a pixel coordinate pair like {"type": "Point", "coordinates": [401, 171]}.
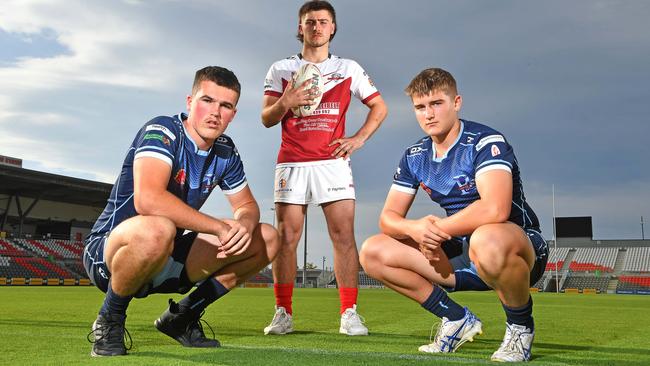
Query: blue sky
{"type": "Point", "coordinates": [566, 82]}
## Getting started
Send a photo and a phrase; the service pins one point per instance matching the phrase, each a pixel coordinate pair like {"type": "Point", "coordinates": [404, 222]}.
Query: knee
{"type": "Point", "coordinates": [343, 238]}
{"type": "Point", "coordinates": [371, 254]}
{"type": "Point", "coordinates": [490, 252]}
{"type": "Point", "coordinates": [156, 238]}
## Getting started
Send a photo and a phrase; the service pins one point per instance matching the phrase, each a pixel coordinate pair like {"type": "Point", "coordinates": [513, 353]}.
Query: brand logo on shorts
{"type": "Point", "coordinates": [336, 189]}
{"type": "Point", "coordinates": [102, 273]}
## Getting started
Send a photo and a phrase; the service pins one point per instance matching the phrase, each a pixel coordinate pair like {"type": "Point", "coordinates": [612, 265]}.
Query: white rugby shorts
{"type": "Point", "coordinates": [315, 182]}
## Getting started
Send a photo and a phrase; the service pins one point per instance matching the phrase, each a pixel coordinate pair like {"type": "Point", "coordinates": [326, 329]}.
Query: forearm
{"type": "Point", "coordinates": [184, 216]}
{"type": "Point", "coordinates": [272, 114]}
{"type": "Point", "coordinates": [393, 225]}
{"type": "Point", "coordinates": [248, 215]}
{"type": "Point", "coordinates": [374, 119]}
{"type": "Point", "coordinates": [477, 214]}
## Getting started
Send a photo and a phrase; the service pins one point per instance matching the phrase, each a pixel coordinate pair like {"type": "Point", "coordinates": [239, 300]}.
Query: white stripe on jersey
{"type": "Point", "coordinates": [236, 189]}
{"type": "Point", "coordinates": [153, 154]}
{"type": "Point", "coordinates": [493, 167]}
{"type": "Point", "coordinates": [406, 190]}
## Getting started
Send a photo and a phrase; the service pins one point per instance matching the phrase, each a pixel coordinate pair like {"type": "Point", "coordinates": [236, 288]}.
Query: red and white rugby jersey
{"type": "Point", "coordinates": [307, 138]}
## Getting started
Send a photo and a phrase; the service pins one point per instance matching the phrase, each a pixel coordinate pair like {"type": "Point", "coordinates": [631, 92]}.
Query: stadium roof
{"type": "Point", "coordinates": [52, 187]}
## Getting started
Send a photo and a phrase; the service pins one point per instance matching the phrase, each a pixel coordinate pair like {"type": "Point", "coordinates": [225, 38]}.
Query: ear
{"type": "Point", "coordinates": [300, 29]}
{"type": "Point", "coordinates": [458, 103]}
{"type": "Point", "coordinates": [188, 102]}
{"type": "Point", "coordinates": [333, 28]}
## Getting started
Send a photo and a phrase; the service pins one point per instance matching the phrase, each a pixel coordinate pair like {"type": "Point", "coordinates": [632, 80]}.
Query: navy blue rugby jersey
{"type": "Point", "coordinates": [450, 180]}
{"type": "Point", "coordinates": [195, 173]}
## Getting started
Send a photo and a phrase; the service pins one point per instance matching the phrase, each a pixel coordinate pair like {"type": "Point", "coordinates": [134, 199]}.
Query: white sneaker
{"type": "Point", "coordinates": [282, 322]}
{"type": "Point", "coordinates": [452, 334]}
{"type": "Point", "coordinates": [516, 345]}
{"type": "Point", "coordinates": [352, 323]}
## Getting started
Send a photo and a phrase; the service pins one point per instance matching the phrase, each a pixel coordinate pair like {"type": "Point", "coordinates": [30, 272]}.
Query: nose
{"type": "Point", "coordinates": [428, 112]}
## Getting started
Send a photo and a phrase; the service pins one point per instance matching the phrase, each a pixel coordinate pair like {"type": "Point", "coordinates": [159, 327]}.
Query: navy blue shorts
{"type": "Point", "coordinates": [457, 250]}
{"type": "Point", "coordinates": [172, 279]}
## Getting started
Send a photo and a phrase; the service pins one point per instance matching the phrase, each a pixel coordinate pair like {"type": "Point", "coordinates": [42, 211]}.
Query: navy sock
{"type": "Point", "coordinates": [441, 305]}
{"type": "Point", "coordinates": [207, 293]}
{"type": "Point", "coordinates": [522, 315]}
{"type": "Point", "coordinates": [114, 303]}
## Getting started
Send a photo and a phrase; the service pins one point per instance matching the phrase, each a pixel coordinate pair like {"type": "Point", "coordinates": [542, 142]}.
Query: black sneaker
{"type": "Point", "coordinates": [108, 336]}
{"type": "Point", "coordinates": [185, 327]}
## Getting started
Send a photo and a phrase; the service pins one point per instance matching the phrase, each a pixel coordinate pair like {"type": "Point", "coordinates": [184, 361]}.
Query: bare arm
{"type": "Point", "coordinates": [150, 196]}
{"type": "Point", "coordinates": [424, 231]}
{"type": "Point", "coordinates": [274, 108]}
{"type": "Point", "coordinates": [375, 117]}
{"type": "Point", "coordinates": [495, 190]}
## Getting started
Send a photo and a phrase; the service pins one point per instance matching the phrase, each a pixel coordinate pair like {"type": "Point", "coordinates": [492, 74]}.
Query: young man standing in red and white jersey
{"type": "Point", "coordinates": [314, 159]}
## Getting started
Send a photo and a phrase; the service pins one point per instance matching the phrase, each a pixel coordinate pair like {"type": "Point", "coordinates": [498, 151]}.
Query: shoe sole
{"type": "Point", "coordinates": [474, 332]}
{"type": "Point", "coordinates": [270, 331]}
{"type": "Point", "coordinates": [343, 331]}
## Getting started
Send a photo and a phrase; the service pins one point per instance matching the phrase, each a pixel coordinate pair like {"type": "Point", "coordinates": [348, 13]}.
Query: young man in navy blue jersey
{"type": "Point", "coordinates": [490, 238]}
{"type": "Point", "coordinates": [152, 238]}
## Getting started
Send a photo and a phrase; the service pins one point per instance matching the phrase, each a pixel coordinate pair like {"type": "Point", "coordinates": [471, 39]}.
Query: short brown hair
{"type": "Point", "coordinates": [218, 75]}
{"type": "Point", "coordinates": [315, 5]}
{"type": "Point", "coordinates": [430, 80]}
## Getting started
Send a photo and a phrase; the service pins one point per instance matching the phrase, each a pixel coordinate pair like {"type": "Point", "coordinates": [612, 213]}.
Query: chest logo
{"type": "Point", "coordinates": [465, 184]}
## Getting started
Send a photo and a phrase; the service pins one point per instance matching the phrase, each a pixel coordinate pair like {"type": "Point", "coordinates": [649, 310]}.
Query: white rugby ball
{"type": "Point", "coordinates": [306, 72]}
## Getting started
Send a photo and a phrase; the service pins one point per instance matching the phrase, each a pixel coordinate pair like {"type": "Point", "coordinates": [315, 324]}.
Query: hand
{"type": "Point", "coordinates": [294, 97]}
{"type": "Point", "coordinates": [428, 235]}
{"type": "Point", "coordinates": [236, 240]}
{"type": "Point", "coordinates": [347, 146]}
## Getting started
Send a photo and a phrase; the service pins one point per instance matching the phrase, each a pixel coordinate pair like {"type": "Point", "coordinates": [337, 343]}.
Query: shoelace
{"type": "Point", "coordinates": [358, 319]}
{"type": "Point", "coordinates": [512, 341]}
{"type": "Point", "coordinates": [197, 325]}
{"type": "Point", "coordinates": [105, 331]}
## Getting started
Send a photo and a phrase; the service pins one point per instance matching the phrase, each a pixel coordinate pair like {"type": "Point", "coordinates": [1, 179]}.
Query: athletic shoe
{"type": "Point", "coordinates": [108, 336]}
{"type": "Point", "coordinates": [282, 322]}
{"type": "Point", "coordinates": [185, 327]}
{"type": "Point", "coordinates": [452, 334]}
{"type": "Point", "coordinates": [352, 323]}
{"type": "Point", "coordinates": [516, 345]}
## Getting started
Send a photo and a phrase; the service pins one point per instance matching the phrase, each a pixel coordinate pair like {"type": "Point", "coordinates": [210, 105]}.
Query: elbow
{"type": "Point", "coordinates": [499, 213]}
{"type": "Point", "coordinates": [144, 204]}
{"type": "Point", "coordinates": [383, 227]}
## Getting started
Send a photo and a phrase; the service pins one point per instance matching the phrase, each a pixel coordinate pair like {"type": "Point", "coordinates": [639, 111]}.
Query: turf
{"type": "Point", "coordinates": [49, 326]}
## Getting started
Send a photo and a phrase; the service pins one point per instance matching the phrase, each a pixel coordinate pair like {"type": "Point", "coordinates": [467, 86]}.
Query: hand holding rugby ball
{"type": "Point", "coordinates": [306, 72]}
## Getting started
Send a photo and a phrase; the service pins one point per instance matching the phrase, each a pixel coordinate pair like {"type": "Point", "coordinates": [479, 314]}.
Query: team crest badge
{"type": "Point", "coordinates": [282, 183]}
{"type": "Point", "coordinates": [495, 150]}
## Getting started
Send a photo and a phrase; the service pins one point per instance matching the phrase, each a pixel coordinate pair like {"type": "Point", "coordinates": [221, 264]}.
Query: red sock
{"type": "Point", "coordinates": [283, 293]}
{"type": "Point", "coordinates": [348, 297]}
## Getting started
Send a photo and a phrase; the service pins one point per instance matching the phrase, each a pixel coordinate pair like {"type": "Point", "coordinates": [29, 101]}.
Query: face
{"type": "Point", "coordinates": [210, 111]}
{"type": "Point", "coordinates": [437, 113]}
{"type": "Point", "coordinates": [316, 28]}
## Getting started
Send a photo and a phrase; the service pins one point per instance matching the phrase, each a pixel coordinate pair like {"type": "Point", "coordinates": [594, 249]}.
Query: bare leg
{"type": "Point", "coordinates": [290, 223]}
{"type": "Point", "coordinates": [340, 225]}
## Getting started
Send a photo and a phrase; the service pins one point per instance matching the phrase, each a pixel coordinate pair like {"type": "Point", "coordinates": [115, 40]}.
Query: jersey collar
{"type": "Point", "coordinates": [433, 145]}
{"type": "Point", "coordinates": [181, 117]}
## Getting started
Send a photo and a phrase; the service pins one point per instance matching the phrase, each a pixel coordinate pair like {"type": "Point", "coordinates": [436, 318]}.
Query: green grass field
{"type": "Point", "coordinates": [49, 326]}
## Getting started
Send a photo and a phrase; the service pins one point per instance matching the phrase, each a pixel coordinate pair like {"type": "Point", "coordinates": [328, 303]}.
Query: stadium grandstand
{"type": "Point", "coordinates": [45, 217]}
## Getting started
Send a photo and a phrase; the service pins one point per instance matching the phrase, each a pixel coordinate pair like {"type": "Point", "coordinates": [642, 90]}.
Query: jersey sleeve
{"type": "Point", "coordinates": [273, 82]}
{"type": "Point", "coordinates": [404, 180]}
{"type": "Point", "coordinates": [493, 152]}
{"type": "Point", "coordinates": [362, 86]}
{"type": "Point", "coordinates": [234, 178]}
{"type": "Point", "coordinates": [158, 139]}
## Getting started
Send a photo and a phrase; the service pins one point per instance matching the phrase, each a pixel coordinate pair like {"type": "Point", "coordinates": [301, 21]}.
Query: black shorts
{"type": "Point", "coordinates": [457, 250]}
{"type": "Point", "coordinates": [172, 279]}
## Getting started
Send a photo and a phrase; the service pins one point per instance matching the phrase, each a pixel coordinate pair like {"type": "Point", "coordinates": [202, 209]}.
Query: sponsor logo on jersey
{"type": "Point", "coordinates": [415, 150]}
{"type": "Point", "coordinates": [222, 139]}
{"type": "Point", "coordinates": [425, 188]}
{"type": "Point", "coordinates": [465, 184]}
{"type": "Point", "coordinates": [180, 177]}
{"type": "Point", "coordinates": [155, 136]}
{"type": "Point", "coordinates": [495, 150]}
{"type": "Point", "coordinates": [208, 184]}
{"type": "Point", "coordinates": [331, 108]}
{"type": "Point", "coordinates": [489, 139]}
{"type": "Point", "coordinates": [335, 76]}
{"type": "Point", "coordinates": [268, 84]}
{"type": "Point", "coordinates": [102, 273]}
{"type": "Point", "coordinates": [162, 129]}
